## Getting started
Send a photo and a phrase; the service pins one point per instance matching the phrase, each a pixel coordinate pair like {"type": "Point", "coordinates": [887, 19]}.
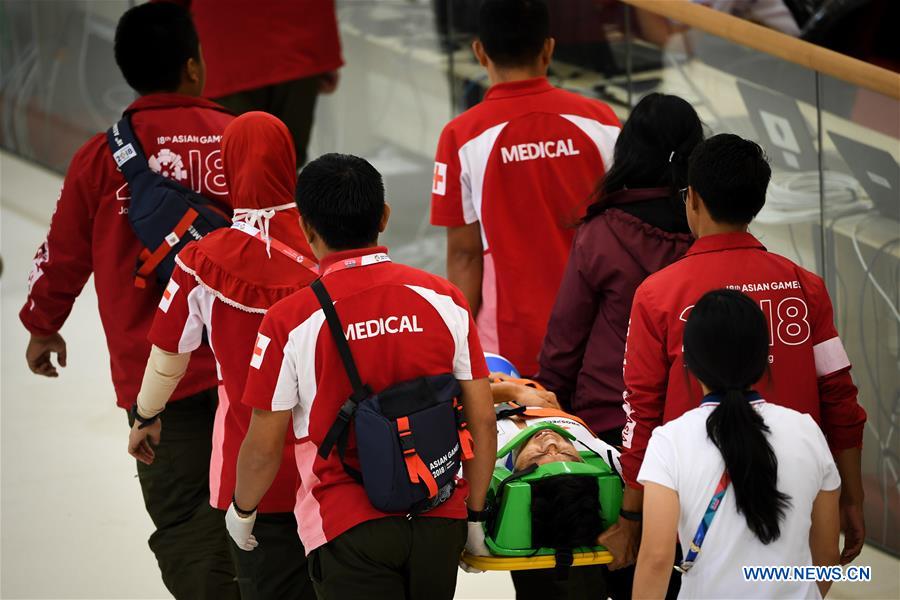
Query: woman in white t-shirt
{"type": "Point", "coordinates": [781, 504]}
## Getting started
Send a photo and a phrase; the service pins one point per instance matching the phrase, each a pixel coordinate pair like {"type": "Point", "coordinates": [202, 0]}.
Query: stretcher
{"type": "Point", "coordinates": [524, 563]}
{"type": "Point", "coordinates": [508, 531]}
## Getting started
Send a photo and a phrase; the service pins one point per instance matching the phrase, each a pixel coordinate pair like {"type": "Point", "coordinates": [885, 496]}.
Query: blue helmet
{"type": "Point", "coordinates": [498, 364]}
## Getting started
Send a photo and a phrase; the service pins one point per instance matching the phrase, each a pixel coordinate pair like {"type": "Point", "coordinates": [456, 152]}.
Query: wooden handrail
{"type": "Point", "coordinates": [775, 43]}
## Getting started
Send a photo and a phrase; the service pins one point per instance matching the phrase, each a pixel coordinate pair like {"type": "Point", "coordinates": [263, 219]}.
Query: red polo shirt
{"type": "Point", "coordinates": [810, 370]}
{"type": "Point", "coordinates": [401, 324]}
{"type": "Point", "coordinates": [522, 163]}
{"type": "Point", "coordinates": [90, 234]}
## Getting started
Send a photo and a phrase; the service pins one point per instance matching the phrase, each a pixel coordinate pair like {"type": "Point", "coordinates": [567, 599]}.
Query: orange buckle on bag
{"type": "Point", "coordinates": [466, 443]}
{"type": "Point", "coordinates": [415, 466]}
{"type": "Point", "coordinates": [151, 260]}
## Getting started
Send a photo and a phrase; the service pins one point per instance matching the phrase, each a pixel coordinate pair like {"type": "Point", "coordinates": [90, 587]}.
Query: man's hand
{"type": "Point", "coordinates": [529, 396]}
{"type": "Point", "coordinates": [475, 540]}
{"type": "Point", "coordinates": [141, 441]}
{"type": "Point", "coordinates": [328, 82]}
{"type": "Point", "coordinates": [622, 540]}
{"type": "Point", "coordinates": [853, 525]}
{"type": "Point", "coordinates": [475, 546]}
{"type": "Point", "coordinates": [241, 528]}
{"type": "Point", "coordinates": [38, 354]}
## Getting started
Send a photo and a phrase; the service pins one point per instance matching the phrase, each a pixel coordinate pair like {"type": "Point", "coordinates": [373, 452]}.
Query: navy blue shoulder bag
{"type": "Point", "coordinates": [164, 214]}
{"type": "Point", "coordinates": [410, 437]}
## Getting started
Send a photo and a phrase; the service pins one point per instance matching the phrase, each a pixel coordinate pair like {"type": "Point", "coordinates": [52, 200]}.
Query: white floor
{"type": "Point", "coordinates": [72, 523]}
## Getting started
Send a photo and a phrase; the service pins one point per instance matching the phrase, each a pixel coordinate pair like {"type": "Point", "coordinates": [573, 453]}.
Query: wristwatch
{"type": "Point", "coordinates": [477, 516]}
{"type": "Point", "coordinates": [631, 516]}
{"type": "Point", "coordinates": [143, 421]}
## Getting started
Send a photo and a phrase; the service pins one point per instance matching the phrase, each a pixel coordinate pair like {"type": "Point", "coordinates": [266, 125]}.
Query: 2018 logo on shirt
{"type": "Point", "coordinates": [439, 180]}
{"type": "Point", "coordinates": [169, 164]}
{"type": "Point", "coordinates": [259, 350]}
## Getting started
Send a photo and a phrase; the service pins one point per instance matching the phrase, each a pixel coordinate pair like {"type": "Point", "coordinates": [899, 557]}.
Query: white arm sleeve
{"type": "Point", "coordinates": [164, 371]}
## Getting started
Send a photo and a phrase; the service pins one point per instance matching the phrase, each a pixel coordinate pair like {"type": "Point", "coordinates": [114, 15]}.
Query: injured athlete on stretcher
{"type": "Point", "coordinates": [555, 489]}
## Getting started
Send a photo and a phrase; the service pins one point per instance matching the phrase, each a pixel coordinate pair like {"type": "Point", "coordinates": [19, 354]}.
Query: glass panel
{"type": "Point", "coordinates": [768, 100]}
{"type": "Point", "coordinates": [391, 104]}
{"type": "Point", "coordinates": [60, 83]}
{"type": "Point", "coordinates": [860, 131]}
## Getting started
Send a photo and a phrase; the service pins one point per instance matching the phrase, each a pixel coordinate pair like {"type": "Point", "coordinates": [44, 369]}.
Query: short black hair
{"type": "Point", "coordinates": [513, 32]}
{"type": "Point", "coordinates": [342, 197]}
{"type": "Point", "coordinates": [565, 512]}
{"type": "Point", "coordinates": [731, 175]}
{"type": "Point", "coordinates": [153, 43]}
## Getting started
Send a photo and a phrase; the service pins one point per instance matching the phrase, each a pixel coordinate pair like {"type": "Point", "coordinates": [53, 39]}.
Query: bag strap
{"type": "Point", "coordinates": [339, 431]}
{"type": "Point", "coordinates": [132, 161]}
{"type": "Point", "coordinates": [126, 149]}
{"type": "Point", "coordinates": [705, 523]}
{"type": "Point", "coordinates": [337, 333]}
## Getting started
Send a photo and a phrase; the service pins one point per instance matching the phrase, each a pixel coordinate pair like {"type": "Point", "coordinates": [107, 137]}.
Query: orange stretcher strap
{"type": "Point", "coordinates": [415, 466]}
{"type": "Point", "coordinates": [153, 259]}
{"type": "Point", "coordinates": [526, 382]}
{"type": "Point", "coordinates": [535, 412]}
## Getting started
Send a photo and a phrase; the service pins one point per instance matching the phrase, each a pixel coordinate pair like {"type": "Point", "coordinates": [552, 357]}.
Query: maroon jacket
{"type": "Point", "coordinates": [581, 357]}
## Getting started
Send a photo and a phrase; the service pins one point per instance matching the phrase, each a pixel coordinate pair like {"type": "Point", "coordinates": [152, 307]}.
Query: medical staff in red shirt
{"type": "Point", "coordinates": [401, 324]}
{"type": "Point", "coordinates": [809, 370]}
{"type": "Point", "coordinates": [223, 285]}
{"type": "Point", "coordinates": [271, 55]}
{"type": "Point", "coordinates": [157, 50]}
{"type": "Point", "coordinates": [512, 178]}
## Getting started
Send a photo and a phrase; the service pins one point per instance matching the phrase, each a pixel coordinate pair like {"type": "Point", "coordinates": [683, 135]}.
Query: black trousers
{"type": "Point", "coordinates": [276, 569]}
{"type": "Point", "coordinates": [392, 558]}
{"type": "Point", "coordinates": [294, 102]}
{"type": "Point", "coordinates": [190, 541]}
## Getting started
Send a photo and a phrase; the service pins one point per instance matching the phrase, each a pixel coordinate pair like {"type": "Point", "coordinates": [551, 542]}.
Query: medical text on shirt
{"type": "Point", "coordinates": [383, 326]}
{"type": "Point", "coordinates": [535, 150]}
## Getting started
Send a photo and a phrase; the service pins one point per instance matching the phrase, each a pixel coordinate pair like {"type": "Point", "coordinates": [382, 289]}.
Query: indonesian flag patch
{"type": "Point", "coordinates": [259, 350]}
{"type": "Point", "coordinates": [439, 179]}
{"type": "Point", "coordinates": [168, 295]}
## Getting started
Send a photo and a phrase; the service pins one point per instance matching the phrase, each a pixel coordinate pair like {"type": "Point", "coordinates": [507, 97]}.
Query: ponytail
{"type": "Point", "coordinates": [726, 346]}
{"type": "Point", "coordinates": [738, 431]}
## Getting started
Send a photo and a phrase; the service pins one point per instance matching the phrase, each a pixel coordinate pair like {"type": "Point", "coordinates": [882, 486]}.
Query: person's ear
{"type": "Point", "coordinates": [547, 52]}
{"type": "Point", "coordinates": [308, 232]}
{"type": "Point", "coordinates": [480, 54]}
{"type": "Point", "coordinates": [693, 200]}
{"type": "Point", "coordinates": [195, 74]}
{"type": "Point", "coordinates": [385, 217]}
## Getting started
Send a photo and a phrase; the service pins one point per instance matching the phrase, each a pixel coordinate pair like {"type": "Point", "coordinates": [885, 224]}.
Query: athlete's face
{"type": "Point", "coordinates": [546, 446]}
